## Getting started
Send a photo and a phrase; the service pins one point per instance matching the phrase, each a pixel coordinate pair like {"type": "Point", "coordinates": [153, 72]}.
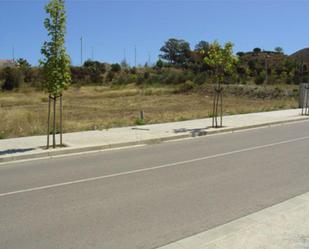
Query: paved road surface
{"type": "Point", "coordinates": [145, 197]}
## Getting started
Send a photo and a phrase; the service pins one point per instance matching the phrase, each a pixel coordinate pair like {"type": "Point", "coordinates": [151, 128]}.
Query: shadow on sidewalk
{"type": "Point", "coordinates": [13, 151]}
{"type": "Point", "coordinates": [194, 132]}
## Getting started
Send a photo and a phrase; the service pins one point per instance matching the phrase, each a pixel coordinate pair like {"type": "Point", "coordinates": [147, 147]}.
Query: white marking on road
{"type": "Point", "coordinates": [154, 167]}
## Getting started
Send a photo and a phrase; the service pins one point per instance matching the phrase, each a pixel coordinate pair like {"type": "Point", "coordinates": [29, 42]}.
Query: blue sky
{"type": "Point", "coordinates": [110, 27]}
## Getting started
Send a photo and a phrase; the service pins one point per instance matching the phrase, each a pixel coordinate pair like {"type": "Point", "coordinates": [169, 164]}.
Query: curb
{"type": "Point", "coordinates": [67, 151]}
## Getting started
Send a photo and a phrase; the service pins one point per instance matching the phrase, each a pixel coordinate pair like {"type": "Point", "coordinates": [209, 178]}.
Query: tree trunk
{"type": "Point", "coordinates": [48, 122]}
{"type": "Point", "coordinates": [61, 121]}
{"type": "Point", "coordinates": [307, 101]}
{"type": "Point", "coordinates": [221, 107]}
{"type": "Point", "coordinates": [217, 107]}
{"type": "Point", "coordinates": [54, 123]}
{"type": "Point", "coordinates": [214, 108]}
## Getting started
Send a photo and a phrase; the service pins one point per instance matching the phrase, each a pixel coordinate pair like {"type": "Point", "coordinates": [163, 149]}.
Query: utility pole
{"type": "Point", "coordinates": [13, 53]}
{"type": "Point", "coordinates": [302, 72]}
{"type": "Point", "coordinates": [149, 60]}
{"type": "Point", "coordinates": [135, 56]}
{"type": "Point", "coordinates": [266, 68]}
{"type": "Point", "coordinates": [124, 55]}
{"type": "Point", "coordinates": [81, 50]}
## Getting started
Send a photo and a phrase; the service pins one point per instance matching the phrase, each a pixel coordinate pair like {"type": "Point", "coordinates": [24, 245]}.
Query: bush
{"type": "Point", "coordinates": [12, 78]}
{"type": "Point", "coordinates": [94, 70]}
{"type": "Point", "coordinates": [110, 76]}
{"type": "Point", "coordinates": [115, 68]}
{"type": "Point", "coordinates": [185, 87]}
{"type": "Point", "coordinates": [260, 78]}
{"type": "Point", "coordinates": [200, 78]}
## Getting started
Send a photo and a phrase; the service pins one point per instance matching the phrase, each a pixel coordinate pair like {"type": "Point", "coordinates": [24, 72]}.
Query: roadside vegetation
{"type": "Point", "coordinates": [24, 112]}
{"type": "Point", "coordinates": [179, 86]}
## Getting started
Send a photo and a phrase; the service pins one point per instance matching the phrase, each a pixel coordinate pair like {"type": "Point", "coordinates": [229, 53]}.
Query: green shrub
{"type": "Point", "coordinates": [3, 135]}
{"type": "Point", "coordinates": [260, 78]}
{"type": "Point", "coordinates": [12, 78]}
{"type": "Point", "coordinates": [139, 121]}
{"type": "Point", "coordinates": [185, 87]}
{"type": "Point", "coordinates": [200, 78]}
{"type": "Point", "coordinates": [110, 76]}
{"type": "Point", "coordinates": [115, 68]}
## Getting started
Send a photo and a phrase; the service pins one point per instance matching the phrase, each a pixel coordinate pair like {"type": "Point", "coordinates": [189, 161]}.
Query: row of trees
{"type": "Point", "coordinates": [178, 62]}
{"type": "Point", "coordinates": [257, 66]}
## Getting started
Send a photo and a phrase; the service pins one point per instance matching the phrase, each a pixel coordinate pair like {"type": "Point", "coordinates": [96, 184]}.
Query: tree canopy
{"type": "Point", "coordinates": [56, 62]}
{"type": "Point", "coordinates": [221, 58]}
{"type": "Point", "coordinates": [175, 51]}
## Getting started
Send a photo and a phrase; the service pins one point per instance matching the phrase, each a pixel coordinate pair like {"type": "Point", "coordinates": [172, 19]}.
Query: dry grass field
{"type": "Point", "coordinates": [24, 112]}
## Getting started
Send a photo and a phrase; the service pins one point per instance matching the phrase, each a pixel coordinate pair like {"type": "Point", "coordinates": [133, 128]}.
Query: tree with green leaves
{"type": "Point", "coordinates": [176, 52]}
{"type": "Point", "coordinates": [223, 62]}
{"type": "Point", "coordinates": [95, 70]}
{"type": "Point", "coordinates": [257, 50]}
{"type": "Point", "coordinates": [12, 78]}
{"type": "Point", "coordinates": [279, 49]}
{"type": "Point", "coordinates": [25, 67]}
{"type": "Point", "coordinates": [202, 46]}
{"type": "Point", "coordinates": [56, 62]}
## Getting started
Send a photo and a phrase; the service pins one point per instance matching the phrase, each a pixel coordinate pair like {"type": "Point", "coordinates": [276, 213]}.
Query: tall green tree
{"type": "Point", "coordinates": [25, 67]}
{"type": "Point", "coordinates": [202, 46]}
{"type": "Point", "coordinates": [279, 49]}
{"type": "Point", "coordinates": [56, 62]}
{"type": "Point", "coordinates": [223, 62]}
{"type": "Point", "coordinates": [176, 52]}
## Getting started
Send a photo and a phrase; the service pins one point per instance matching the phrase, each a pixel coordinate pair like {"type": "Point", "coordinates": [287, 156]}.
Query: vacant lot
{"type": "Point", "coordinates": [25, 112]}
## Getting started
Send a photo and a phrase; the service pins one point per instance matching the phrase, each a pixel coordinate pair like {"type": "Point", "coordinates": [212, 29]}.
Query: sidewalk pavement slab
{"type": "Point", "coordinates": [33, 147]}
{"type": "Point", "coordinates": [282, 226]}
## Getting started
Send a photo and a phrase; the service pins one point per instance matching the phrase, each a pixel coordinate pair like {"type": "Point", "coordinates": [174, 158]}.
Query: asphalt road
{"type": "Point", "coordinates": [145, 197]}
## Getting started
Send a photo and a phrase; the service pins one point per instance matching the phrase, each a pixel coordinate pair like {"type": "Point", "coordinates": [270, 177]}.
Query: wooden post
{"type": "Point", "coordinates": [60, 120]}
{"type": "Point", "coordinates": [48, 121]}
{"type": "Point", "coordinates": [54, 123]}
{"type": "Point", "coordinates": [221, 109]}
{"type": "Point", "coordinates": [217, 105]}
{"type": "Point", "coordinates": [214, 108]}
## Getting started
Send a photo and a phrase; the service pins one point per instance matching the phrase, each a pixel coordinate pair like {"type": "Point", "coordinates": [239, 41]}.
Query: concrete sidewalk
{"type": "Point", "coordinates": [283, 226]}
{"type": "Point", "coordinates": [33, 147]}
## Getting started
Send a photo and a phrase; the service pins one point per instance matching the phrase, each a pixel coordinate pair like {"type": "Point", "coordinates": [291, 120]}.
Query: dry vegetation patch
{"type": "Point", "coordinates": [87, 108]}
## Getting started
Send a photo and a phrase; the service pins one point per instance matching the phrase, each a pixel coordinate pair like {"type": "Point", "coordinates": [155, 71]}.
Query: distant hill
{"type": "Point", "coordinates": [302, 55]}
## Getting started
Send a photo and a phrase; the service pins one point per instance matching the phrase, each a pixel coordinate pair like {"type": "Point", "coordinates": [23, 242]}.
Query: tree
{"type": "Point", "coordinates": [257, 50]}
{"type": "Point", "coordinates": [202, 46]}
{"type": "Point", "coordinates": [23, 63]}
{"type": "Point", "coordinates": [56, 62]}
{"type": "Point", "coordinates": [12, 78]}
{"type": "Point", "coordinates": [279, 50]}
{"type": "Point", "coordinates": [159, 63]}
{"type": "Point", "coordinates": [239, 54]}
{"type": "Point", "coordinates": [176, 52]}
{"type": "Point", "coordinates": [25, 67]}
{"type": "Point", "coordinates": [222, 60]}
{"type": "Point", "coordinates": [94, 69]}
{"type": "Point", "coordinates": [115, 68]}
